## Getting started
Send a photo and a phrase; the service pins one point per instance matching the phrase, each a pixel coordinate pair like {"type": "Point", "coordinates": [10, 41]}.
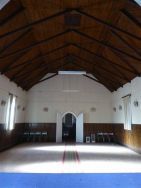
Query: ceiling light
{"type": "Point", "coordinates": [72, 72]}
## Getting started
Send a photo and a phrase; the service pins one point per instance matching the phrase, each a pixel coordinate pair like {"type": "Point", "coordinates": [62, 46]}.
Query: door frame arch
{"type": "Point", "coordinates": [79, 126]}
{"type": "Point", "coordinates": [73, 114]}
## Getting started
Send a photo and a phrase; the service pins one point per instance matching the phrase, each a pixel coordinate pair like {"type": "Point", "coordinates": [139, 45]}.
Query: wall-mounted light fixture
{"type": "Point", "coordinates": [45, 109]}
{"type": "Point", "coordinates": [23, 109]}
{"type": "Point", "coordinates": [136, 103]}
{"type": "Point", "coordinates": [114, 109]}
{"type": "Point", "coordinates": [3, 102]}
{"type": "Point", "coordinates": [93, 109]}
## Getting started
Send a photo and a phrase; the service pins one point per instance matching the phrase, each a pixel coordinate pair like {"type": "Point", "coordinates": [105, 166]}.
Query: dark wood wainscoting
{"type": "Point", "coordinates": [92, 128]}
{"type": "Point", "coordinates": [10, 138]}
{"type": "Point", "coordinates": [96, 128]}
{"type": "Point", "coordinates": [131, 139]}
{"type": "Point", "coordinates": [47, 132]}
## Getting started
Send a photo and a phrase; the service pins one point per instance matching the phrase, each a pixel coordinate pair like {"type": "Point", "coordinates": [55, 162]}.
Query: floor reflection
{"type": "Point", "coordinates": [69, 158]}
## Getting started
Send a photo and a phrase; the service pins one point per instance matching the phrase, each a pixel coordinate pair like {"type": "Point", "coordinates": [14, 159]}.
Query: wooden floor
{"type": "Point", "coordinates": [69, 158]}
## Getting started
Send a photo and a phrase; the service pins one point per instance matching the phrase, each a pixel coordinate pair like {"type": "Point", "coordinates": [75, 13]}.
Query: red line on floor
{"type": "Point", "coordinates": [64, 155]}
{"type": "Point", "coordinates": [77, 155]}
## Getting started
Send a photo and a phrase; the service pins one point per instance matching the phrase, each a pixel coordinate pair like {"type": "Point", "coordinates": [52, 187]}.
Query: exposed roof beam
{"type": "Point", "coordinates": [92, 78]}
{"type": "Point", "coordinates": [47, 78]}
{"type": "Point", "coordinates": [104, 58]}
{"type": "Point", "coordinates": [27, 80]}
{"type": "Point", "coordinates": [27, 83]}
{"type": "Point", "coordinates": [89, 72]}
{"type": "Point", "coordinates": [112, 82]}
{"type": "Point", "coordinates": [21, 75]}
{"type": "Point", "coordinates": [82, 67]}
{"type": "Point", "coordinates": [36, 43]}
{"type": "Point", "coordinates": [113, 74]}
{"type": "Point", "coordinates": [131, 17]}
{"type": "Point", "coordinates": [34, 23]}
{"type": "Point", "coordinates": [109, 25]}
{"type": "Point", "coordinates": [106, 84]}
{"type": "Point", "coordinates": [12, 15]}
{"type": "Point", "coordinates": [38, 57]}
{"type": "Point", "coordinates": [27, 73]}
{"type": "Point", "coordinates": [129, 64]}
{"type": "Point", "coordinates": [5, 69]}
{"type": "Point", "coordinates": [125, 42]}
{"type": "Point", "coordinates": [77, 32]}
{"type": "Point", "coordinates": [105, 44]}
{"type": "Point", "coordinates": [15, 40]}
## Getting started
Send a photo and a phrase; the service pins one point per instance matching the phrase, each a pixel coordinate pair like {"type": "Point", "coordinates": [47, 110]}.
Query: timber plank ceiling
{"type": "Point", "coordinates": [101, 37]}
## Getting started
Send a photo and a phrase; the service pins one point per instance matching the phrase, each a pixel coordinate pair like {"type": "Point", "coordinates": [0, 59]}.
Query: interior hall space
{"type": "Point", "coordinates": [70, 93]}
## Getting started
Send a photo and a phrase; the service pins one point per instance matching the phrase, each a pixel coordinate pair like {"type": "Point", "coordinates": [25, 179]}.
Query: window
{"type": "Point", "coordinates": [127, 112]}
{"type": "Point", "coordinates": [10, 115]}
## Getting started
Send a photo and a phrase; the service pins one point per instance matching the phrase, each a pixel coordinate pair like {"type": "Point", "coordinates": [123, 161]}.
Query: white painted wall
{"type": "Point", "coordinates": [3, 3]}
{"type": "Point", "coordinates": [135, 89]}
{"type": "Point", "coordinates": [74, 93]}
{"type": "Point", "coordinates": [7, 87]}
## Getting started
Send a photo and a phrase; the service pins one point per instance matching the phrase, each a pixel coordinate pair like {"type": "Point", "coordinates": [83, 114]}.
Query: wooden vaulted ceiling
{"type": "Point", "coordinates": [101, 37]}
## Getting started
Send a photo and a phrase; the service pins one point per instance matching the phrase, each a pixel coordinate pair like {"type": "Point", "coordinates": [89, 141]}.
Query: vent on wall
{"type": "Point", "coordinates": [45, 109]}
{"type": "Point", "coordinates": [93, 109]}
{"type": "Point", "coordinates": [72, 19]}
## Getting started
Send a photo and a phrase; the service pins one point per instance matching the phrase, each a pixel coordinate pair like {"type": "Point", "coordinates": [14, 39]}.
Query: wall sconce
{"type": "Point", "coordinates": [136, 103]}
{"type": "Point", "coordinates": [45, 109]}
{"type": "Point", "coordinates": [23, 109]}
{"type": "Point", "coordinates": [120, 107]}
{"type": "Point", "coordinates": [93, 109]}
{"type": "Point", "coordinates": [114, 109]}
{"type": "Point", "coordinates": [3, 103]}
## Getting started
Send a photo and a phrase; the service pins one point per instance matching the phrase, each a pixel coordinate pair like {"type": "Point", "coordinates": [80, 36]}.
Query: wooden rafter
{"type": "Point", "coordinates": [12, 15]}
{"type": "Point", "coordinates": [36, 44]}
{"type": "Point", "coordinates": [125, 42]}
{"type": "Point", "coordinates": [33, 23]}
{"type": "Point", "coordinates": [114, 74]}
{"type": "Point", "coordinates": [15, 41]}
{"type": "Point", "coordinates": [105, 44]}
{"type": "Point", "coordinates": [109, 25]}
{"type": "Point", "coordinates": [103, 58]}
{"type": "Point", "coordinates": [125, 61]}
{"type": "Point", "coordinates": [37, 57]}
{"type": "Point", "coordinates": [131, 17]}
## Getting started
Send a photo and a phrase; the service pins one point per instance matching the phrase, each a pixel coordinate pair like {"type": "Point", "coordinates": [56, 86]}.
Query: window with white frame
{"type": "Point", "coordinates": [127, 112]}
{"type": "Point", "coordinates": [10, 115]}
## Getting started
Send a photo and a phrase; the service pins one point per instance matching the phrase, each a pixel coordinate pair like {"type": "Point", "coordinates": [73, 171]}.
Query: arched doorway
{"type": "Point", "coordinates": [69, 128]}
